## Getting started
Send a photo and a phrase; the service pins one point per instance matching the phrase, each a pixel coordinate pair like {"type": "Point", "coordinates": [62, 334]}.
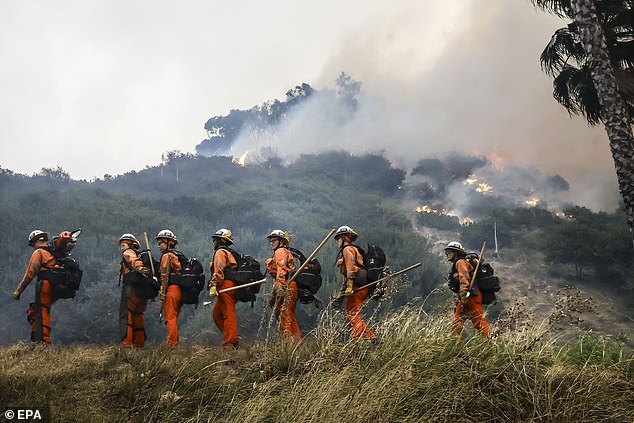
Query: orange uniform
{"type": "Point", "coordinates": [279, 266]}
{"type": "Point", "coordinates": [131, 308]}
{"type": "Point", "coordinates": [170, 266]}
{"type": "Point", "coordinates": [39, 312]}
{"type": "Point", "coordinates": [349, 265]}
{"type": "Point", "coordinates": [224, 311]}
{"type": "Point", "coordinates": [472, 309]}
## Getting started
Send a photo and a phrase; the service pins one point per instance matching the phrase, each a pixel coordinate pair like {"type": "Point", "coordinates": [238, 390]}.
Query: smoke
{"type": "Point", "coordinates": [471, 84]}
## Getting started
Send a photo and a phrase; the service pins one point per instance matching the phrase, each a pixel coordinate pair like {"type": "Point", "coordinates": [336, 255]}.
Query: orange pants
{"type": "Point", "coordinates": [131, 318]}
{"type": "Point", "coordinates": [39, 312]}
{"type": "Point", "coordinates": [224, 314]}
{"type": "Point", "coordinates": [471, 310]}
{"type": "Point", "coordinates": [172, 309]}
{"type": "Point", "coordinates": [285, 302]}
{"type": "Point", "coordinates": [358, 328]}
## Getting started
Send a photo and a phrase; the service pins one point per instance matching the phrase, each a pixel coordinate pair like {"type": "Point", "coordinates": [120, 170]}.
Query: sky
{"type": "Point", "coordinates": [105, 87]}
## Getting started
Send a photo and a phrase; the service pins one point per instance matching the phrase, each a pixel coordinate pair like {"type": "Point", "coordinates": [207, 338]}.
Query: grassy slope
{"type": "Point", "coordinates": [418, 373]}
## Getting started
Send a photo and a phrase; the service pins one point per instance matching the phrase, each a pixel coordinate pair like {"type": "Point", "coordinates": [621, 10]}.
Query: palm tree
{"type": "Point", "coordinates": [593, 64]}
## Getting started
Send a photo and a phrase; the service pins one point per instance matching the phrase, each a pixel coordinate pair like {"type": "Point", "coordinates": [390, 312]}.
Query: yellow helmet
{"type": "Point", "coordinates": [224, 235]}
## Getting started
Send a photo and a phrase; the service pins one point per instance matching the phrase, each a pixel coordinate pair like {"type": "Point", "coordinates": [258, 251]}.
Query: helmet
{"type": "Point", "coordinates": [224, 235]}
{"type": "Point", "coordinates": [346, 230]}
{"type": "Point", "coordinates": [278, 233]}
{"type": "Point", "coordinates": [131, 238]}
{"type": "Point", "coordinates": [37, 235]}
{"type": "Point", "coordinates": [168, 235]}
{"type": "Point", "coordinates": [455, 246]}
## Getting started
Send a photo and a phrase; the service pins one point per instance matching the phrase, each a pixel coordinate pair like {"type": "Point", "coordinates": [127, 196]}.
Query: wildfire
{"type": "Point", "coordinates": [495, 159]}
{"type": "Point", "coordinates": [427, 209]}
{"type": "Point", "coordinates": [532, 202]}
{"type": "Point", "coordinates": [469, 181]}
{"type": "Point", "coordinates": [242, 160]}
{"type": "Point", "coordinates": [467, 221]}
{"type": "Point", "coordinates": [483, 187]}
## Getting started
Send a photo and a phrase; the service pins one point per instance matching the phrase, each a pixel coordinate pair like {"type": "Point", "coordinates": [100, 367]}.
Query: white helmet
{"type": "Point", "coordinates": [224, 235]}
{"type": "Point", "coordinates": [278, 233]}
{"type": "Point", "coordinates": [455, 246]}
{"type": "Point", "coordinates": [37, 235]}
{"type": "Point", "coordinates": [131, 238]}
{"type": "Point", "coordinates": [168, 235]}
{"type": "Point", "coordinates": [346, 230]}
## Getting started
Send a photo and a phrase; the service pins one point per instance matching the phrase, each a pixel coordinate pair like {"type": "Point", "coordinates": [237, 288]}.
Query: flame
{"type": "Point", "coordinates": [470, 181]}
{"type": "Point", "coordinates": [467, 221]}
{"type": "Point", "coordinates": [242, 160]}
{"type": "Point", "coordinates": [427, 209]}
{"type": "Point", "coordinates": [495, 159]}
{"type": "Point", "coordinates": [483, 187]}
{"type": "Point", "coordinates": [532, 202]}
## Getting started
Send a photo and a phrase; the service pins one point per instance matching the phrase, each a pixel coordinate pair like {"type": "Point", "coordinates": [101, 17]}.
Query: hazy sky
{"type": "Point", "coordinates": [108, 86]}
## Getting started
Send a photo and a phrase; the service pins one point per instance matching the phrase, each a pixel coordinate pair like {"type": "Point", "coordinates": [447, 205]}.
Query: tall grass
{"type": "Point", "coordinates": [417, 373]}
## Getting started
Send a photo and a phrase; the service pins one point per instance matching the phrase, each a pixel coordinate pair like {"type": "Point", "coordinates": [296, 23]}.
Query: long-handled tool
{"type": "Point", "coordinates": [311, 256]}
{"type": "Point", "coordinates": [407, 269]}
{"type": "Point", "coordinates": [233, 288]}
{"type": "Point", "coordinates": [147, 245]}
{"type": "Point", "coordinates": [475, 272]}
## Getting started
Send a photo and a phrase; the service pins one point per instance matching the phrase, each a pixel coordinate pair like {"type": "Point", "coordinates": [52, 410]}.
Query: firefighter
{"type": "Point", "coordinates": [352, 269]}
{"type": "Point", "coordinates": [284, 295]}
{"type": "Point", "coordinates": [224, 311]}
{"type": "Point", "coordinates": [170, 293]}
{"type": "Point", "coordinates": [42, 259]}
{"type": "Point", "coordinates": [132, 306]}
{"type": "Point", "coordinates": [469, 302]}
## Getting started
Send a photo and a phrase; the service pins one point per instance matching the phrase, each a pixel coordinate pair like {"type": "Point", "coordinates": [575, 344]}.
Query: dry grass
{"type": "Point", "coordinates": [417, 373]}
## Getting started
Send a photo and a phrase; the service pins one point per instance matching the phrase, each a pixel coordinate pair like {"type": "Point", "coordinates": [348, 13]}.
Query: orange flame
{"type": "Point", "coordinates": [242, 160]}
{"type": "Point", "coordinates": [483, 187]}
{"type": "Point", "coordinates": [532, 202]}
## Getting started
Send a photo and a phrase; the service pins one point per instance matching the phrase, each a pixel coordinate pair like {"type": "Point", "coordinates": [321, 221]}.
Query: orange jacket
{"type": "Point", "coordinates": [280, 264]}
{"type": "Point", "coordinates": [223, 259]}
{"type": "Point", "coordinates": [169, 266]}
{"type": "Point", "coordinates": [462, 271]}
{"type": "Point", "coordinates": [41, 259]}
{"type": "Point", "coordinates": [350, 262]}
{"type": "Point", "coordinates": [132, 258]}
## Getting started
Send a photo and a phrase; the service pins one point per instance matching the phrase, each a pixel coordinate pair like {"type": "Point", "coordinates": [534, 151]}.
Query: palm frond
{"type": "Point", "coordinates": [563, 45]}
{"type": "Point", "coordinates": [561, 8]}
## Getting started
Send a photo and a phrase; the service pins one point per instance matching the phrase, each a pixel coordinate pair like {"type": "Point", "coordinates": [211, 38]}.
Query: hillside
{"type": "Point", "coordinates": [418, 373]}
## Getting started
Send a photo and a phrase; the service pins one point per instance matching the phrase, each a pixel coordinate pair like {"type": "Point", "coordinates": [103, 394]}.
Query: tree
{"type": "Point", "coordinates": [600, 42]}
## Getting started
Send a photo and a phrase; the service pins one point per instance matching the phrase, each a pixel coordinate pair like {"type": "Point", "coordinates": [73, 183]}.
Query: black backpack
{"type": "Point", "coordinates": [309, 279]}
{"type": "Point", "coordinates": [144, 287]}
{"type": "Point", "coordinates": [191, 281]}
{"type": "Point", "coordinates": [248, 270]}
{"type": "Point", "coordinates": [65, 277]}
{"type": "Point", "coordinates": [374, 265]}
{"type": "Point", "coordinates": [485, 279]}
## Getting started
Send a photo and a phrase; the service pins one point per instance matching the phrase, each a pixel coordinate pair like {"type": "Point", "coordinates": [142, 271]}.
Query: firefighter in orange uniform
{"type": "Point", "coordinates": [131, 308]}
{"type": "Point", "coordinates": [469, 304]}
{"type": "Point", "coordinates": [352, 269]}
{"type": "Point", "coordinates": [42, 259]}
{"type": "Point", "coordinates": [284, 295]}
{"type": "Point", "coordinates": [224, 311]}
{"type": "Point", "coordinates": [170, 293]}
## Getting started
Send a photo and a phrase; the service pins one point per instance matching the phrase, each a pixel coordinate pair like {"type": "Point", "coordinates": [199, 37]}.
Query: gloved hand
{"type": "Point", "coordinates": [16, 294]}
{"type": "Point", "coordinates": [463, 297]}
{"type": "Point", "coordinates": [143, 271]}
{"type": "Point", "coordinates": [162, 294]}
{"type": "Point", "coordinates": [336, 301]}
{"type": "Point", "coordinates": [348, 290]}
{"type": "Point", "coordinates": [213, 292]}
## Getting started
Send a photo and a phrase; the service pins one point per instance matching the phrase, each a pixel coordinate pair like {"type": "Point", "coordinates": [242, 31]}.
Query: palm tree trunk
{"type": "Point", "coordinates": [613, 111]}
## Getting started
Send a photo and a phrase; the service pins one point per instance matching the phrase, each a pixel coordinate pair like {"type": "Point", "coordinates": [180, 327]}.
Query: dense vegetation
{"type": "Point", "coordinates": [418, 373]}
{"type": "Point", "coordinates": [309, 197]}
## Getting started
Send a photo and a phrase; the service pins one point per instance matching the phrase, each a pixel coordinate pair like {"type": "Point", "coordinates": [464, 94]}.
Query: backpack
{"type": "Point", "coordinates": [374, 265]}
{"type": "Point", "coordinates": [143, 287]}
{"type": "Point", "coordinates": [485, 279]}
{"type": "Point", "coordinates": [191, 281]}
{"type": "Point", "coordinates": [309, 280]}
{"type": "Point", "coordinates": [248, 270]}
{"type": "Point", "coordinates": [65, 277]}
